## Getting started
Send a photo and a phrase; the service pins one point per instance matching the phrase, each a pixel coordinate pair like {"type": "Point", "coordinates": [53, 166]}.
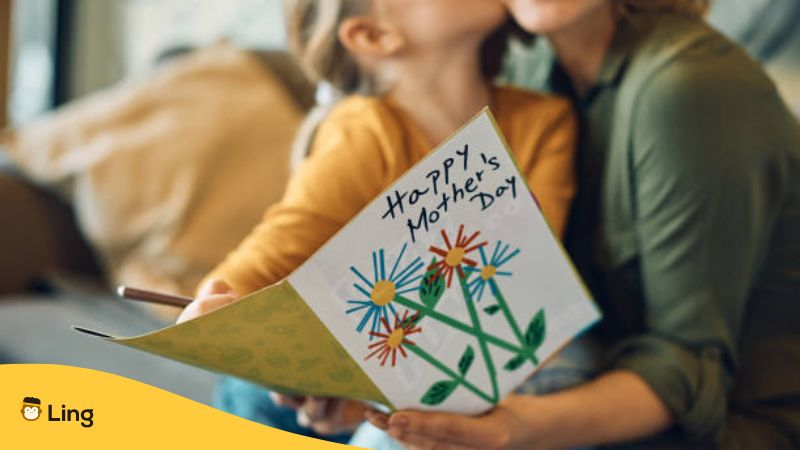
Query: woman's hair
{"type": "Point", "coordinates": [630, 8]}
{"type": "Point", "coordinates": [312, 27]}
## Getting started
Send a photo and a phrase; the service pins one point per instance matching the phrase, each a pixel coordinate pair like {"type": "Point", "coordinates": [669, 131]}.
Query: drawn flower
{"type": "Point", "coordinates": [382, 290]}
{"type": "Point", "coordinates": [393, 340]}
{"type": "Point", "coordinates": [455, 255]}
{"type": "Point", "coordinates": [500, 256]}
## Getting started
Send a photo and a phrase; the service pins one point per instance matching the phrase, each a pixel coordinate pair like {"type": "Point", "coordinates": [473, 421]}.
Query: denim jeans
{"type": "Point", "coordinates": [253, 402]}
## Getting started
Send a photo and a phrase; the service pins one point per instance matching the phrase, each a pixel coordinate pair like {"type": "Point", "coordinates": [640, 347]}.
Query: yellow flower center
{"type": "Point", "coordinates": [383, 293]}
{"type": "Point", "coordinates": [454, 256]}
{"type": "Point", "coordinates": [488, 272]}
{"type": "Point", "coordinates": [396, 338]}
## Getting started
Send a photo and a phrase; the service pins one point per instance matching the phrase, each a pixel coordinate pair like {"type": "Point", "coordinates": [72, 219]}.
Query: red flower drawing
{"type": "Point", "coordinates": [455, 255]}
{"type": "Point", "coordinates": [394, 339]}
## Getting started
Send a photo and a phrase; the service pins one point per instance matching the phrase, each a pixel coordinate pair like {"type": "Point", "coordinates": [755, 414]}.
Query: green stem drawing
{"type": "Point", "coordinates": [452, 374]}
{"type": "Point", "coordinates": [510, 318]}
{"type": "Point", "coordinates": [447, 320]}
{"type": "Point", "coordinates": [476, 322]}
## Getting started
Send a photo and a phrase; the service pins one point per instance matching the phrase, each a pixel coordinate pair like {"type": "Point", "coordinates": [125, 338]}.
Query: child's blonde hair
{"type": "Point", "coordinates": [312, 27]}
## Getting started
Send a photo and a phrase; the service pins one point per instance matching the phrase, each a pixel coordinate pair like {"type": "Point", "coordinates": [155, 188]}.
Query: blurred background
{"type": "Point", "coordinates": [64, 49]}
{"type": "Point", "coordinates": [82, 80]}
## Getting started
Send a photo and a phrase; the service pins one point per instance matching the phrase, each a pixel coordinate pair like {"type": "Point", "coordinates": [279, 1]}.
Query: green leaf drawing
{"type": "Point", "coordinates": [514, 363]}
{"type": "Point", "coordinates": [534, 335]}
{"type": "Point", "coordinates": [466, 360]}
{"type": "Point", "coordinates": [492, 310]}
{"type": "Point", "coordinates": [431, 287]}
{"type": "Point", "coordinates": [439, 392]}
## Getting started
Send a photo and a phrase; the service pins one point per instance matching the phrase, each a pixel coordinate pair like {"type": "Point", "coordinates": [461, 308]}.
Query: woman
{"type": "Point", "coordinates": [686, 228]}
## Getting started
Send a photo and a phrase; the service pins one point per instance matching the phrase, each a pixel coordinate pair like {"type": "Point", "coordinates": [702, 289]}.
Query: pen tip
{"type": "Point", "coordinates": [121, 291]}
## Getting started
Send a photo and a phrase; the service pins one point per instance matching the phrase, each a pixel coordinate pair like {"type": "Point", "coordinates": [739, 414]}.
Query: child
{"type": "Point", "coordinates": [414, 72]}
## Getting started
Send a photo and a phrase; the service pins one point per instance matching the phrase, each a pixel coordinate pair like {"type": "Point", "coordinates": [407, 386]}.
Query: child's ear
{"type": "Point", "coordinates": [366, 37]}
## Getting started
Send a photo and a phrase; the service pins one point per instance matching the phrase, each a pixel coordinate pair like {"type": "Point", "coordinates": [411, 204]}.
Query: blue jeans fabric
{"type": "Point", "coordinates": [252, 402]}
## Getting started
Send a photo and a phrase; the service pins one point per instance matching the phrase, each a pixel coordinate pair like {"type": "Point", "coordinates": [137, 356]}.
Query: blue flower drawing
{"type": "Point", "coordinates": [490, 270]}
{"type": "Point", "coordinates": [379, 291]}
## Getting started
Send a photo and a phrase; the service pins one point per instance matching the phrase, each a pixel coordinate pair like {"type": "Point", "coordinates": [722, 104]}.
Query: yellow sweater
{"type": "Point", "coordinates": [362, 147]}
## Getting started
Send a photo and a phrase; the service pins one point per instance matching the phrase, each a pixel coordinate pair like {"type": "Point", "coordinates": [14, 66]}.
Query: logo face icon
{"type": "Point", "coordinates": [31, 408]}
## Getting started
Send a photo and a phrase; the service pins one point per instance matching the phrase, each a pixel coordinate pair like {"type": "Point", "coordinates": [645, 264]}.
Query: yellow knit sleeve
{"type": "Point", "coordinates": [346, 169]}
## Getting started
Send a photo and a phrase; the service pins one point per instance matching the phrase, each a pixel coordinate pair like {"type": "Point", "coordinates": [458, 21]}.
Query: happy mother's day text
{"type": "Point", "coordinates": [454, 182]}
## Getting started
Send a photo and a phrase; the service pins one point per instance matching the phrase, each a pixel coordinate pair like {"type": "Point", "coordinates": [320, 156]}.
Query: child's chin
{"type": "Point", "coordinates": [543, 16]}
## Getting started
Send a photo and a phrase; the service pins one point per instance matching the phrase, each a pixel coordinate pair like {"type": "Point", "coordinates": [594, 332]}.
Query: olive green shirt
{"type": "Point", "coordinates": [686, 227]}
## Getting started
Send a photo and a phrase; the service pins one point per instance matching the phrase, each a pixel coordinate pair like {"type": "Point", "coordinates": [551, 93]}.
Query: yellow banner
{"type": "Point", "coordinates": [61, 407]}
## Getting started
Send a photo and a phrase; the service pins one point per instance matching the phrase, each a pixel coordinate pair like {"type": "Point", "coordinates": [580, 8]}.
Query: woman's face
{"type": "Point", "coordinates": [427, 23]}
{"type": "Point", "coordinates": [552, 16]}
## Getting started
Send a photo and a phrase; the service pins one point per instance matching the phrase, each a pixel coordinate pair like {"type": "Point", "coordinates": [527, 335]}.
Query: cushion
{"type": "Point", "coordinates": [167, 174]}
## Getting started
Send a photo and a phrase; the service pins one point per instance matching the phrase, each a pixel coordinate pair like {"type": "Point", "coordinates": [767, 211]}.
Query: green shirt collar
{"type": "Point", "coordinates": [614, 64]}
{"type": "Point", "coordinates": [618, 55]}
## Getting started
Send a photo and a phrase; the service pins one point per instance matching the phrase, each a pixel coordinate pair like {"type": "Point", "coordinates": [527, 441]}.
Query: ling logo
{"type": "Point", "coordinates": [31, 408]}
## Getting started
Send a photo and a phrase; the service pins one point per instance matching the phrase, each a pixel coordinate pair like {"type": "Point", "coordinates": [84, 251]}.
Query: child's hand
{"type": "Point", "coordinates": [326, 416]}
{"type": "Point", "coordinates": [212, 296]}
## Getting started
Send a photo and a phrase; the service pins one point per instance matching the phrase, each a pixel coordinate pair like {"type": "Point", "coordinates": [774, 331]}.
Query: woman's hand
{"type": "Point", "coordinates": [507, 426]}
{"type": "Point", "coordinates": [326, 416]}
{"type": "Point", "coordinates": [618, 406]}
{"type": "Point", "coordinates": [212, 296]}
